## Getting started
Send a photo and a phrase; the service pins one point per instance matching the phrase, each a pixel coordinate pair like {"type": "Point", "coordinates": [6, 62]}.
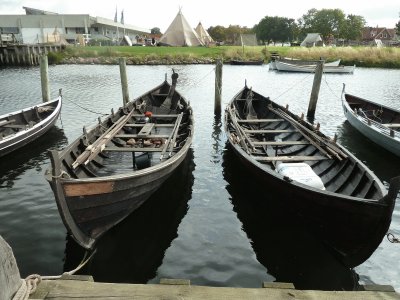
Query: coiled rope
{"type": "Point", "coordinates": [30, 283]}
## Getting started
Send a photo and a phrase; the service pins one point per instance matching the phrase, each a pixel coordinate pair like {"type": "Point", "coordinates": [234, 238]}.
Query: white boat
{"type": "Point", "coordinates": [288, 67]}
{"type": "Point", "coordinates": [379, 123]}
{"type": "Point", "coordinates": [296, 61]}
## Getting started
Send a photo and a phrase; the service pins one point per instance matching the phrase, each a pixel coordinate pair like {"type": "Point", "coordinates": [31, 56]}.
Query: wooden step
{"type": "Point", "coordinates": [282, 143]}
{"type": "Point", "coordinates": [288, 158]}
{"type": "Point", "coordinates": [260, 120]}
{"type": "Point", "coordinates": [146, 130]}
{"type": "Point", "coordinates": [133, 149]}
{"type": "Point", "coordinates": [157, 116]}
{"type": "Point", "coordinates": [151, 136]}
{"type": "Point", "coordinates": [270, 130]}
{"type": "Point", "coordinates": [155, 125]}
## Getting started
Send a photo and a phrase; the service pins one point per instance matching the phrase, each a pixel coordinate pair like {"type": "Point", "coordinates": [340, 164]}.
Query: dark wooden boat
{"type": "Point", "coordinates": [24, 126]}
{"type": "Point", "coordinates": [323, 183]}
{"type": "Point", "coordinates": [110, 170]}
{"type": "Point", "coordinates": [238, 62]}
{"type": "Point", "coordinates": [378, 122]}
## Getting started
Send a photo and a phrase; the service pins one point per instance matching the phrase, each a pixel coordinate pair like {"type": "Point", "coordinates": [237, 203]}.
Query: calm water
{"type": "Point", "coordinates": [204, 224]}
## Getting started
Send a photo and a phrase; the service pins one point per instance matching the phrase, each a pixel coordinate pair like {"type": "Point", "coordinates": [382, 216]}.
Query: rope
{"type": "Point", "coordinates": [333, 93]}
{"type": "Point", "coordinates": [296, 83]}
{"type": "Point", "coordinates": [392, 238]}
{"type": "Point", "coordinates": [84, 108]}
{"type": "Point", "coordinates": [30, 283]}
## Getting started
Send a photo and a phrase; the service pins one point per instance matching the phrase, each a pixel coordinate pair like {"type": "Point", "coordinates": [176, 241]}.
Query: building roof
{"type": "Point", "coordinates": [371, 33]}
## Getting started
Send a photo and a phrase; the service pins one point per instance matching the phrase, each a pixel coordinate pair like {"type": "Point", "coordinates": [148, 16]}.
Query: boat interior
{"type": "Point", "coordinates": [273, 136]}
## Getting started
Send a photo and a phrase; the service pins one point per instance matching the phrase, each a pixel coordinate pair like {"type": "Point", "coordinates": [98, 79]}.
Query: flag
{"type": "Point", "coordinates": [116, 15]}
{"type": "Point", "coordinates": [122, 17]}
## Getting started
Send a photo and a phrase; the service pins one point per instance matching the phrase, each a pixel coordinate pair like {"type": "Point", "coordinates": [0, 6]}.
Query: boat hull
{"type": "Point", "coordinates": [351, 228]}
{"type": "Point", "coordinates": [374, 131]}
{"type": "Point", "coordinates": [89, 208]}
{"type": "Point", "coordinates": [351, 212]}
{"type": "Point", "coordinates": [112, 169]}
{"type": "Point", "coordinates": [23, 137]}
{"type": "Point", "coordinates": [287, 67]}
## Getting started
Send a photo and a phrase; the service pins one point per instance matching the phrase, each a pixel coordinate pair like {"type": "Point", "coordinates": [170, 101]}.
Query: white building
{"type": "Point", "coordinates": [39, 26]}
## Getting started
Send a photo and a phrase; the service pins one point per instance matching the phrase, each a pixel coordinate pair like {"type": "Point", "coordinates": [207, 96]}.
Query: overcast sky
{"type": "Point", "coordinates": [160, 13]}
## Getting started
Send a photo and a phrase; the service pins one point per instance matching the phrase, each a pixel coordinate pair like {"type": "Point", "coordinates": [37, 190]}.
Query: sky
{"type": "Point", "coordinates": [160, 13]}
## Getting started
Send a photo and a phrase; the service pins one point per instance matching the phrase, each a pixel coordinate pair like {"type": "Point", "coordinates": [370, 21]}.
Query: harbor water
{"type": "Point", "coordinates": [205, 223]}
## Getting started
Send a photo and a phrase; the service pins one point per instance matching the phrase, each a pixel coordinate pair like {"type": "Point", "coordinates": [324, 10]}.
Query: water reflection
{"type": "Point", "coordinates": [281, 242]}
{"type": "Point", "coordinates": [384, 163]}
{"type": "Point", "coordinates": [216, 139]}
{"type": "Point", "coordinates": [133, 250]}
{"type": "Point", "coordinates": [33, 155]}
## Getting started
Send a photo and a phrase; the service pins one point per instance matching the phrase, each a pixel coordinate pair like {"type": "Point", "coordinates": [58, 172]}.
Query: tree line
{"type": "Point", "coordinates": [331, 24]}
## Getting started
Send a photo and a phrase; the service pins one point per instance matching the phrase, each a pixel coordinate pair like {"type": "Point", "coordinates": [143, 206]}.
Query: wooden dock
{"type": "Point", "coordinates": [83, 287]}
{"type": "Point", "coordinates": [25, 55]}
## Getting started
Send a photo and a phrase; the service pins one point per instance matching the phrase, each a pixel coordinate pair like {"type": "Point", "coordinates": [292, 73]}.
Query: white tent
{"type": "Point", "coordinates": [180, 33]}
{"type": "Point", "coordinates": [312, 40]}
{"type": "Point", "coordinates": [203, 34]}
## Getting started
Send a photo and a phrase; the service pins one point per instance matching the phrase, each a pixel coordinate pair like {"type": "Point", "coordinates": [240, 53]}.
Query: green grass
{"type": "Point", "coordinates": [360, 56]}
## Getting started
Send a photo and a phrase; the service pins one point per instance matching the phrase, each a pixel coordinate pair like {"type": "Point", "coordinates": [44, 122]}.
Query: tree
{"type": "Point", "coordinates": [398, 27]}
{"type": "Point", "coordinates": [275, 29]}
{"type": "Point", "coordinates": [155, 30]}
{"type": "Point", "coordinates": [217, 33]}
{"type": "Point", "coordinates": [327, 22]}
{"type": "Point", "coordinates": [353, 27]}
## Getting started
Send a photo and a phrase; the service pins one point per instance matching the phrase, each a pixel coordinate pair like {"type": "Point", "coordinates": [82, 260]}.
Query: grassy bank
{"type": "Point", "coordinates": [360, 56]}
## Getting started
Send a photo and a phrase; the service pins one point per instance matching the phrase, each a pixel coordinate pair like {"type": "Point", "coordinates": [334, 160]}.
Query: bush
{"type": "Point", "coordinates": [54, 57]}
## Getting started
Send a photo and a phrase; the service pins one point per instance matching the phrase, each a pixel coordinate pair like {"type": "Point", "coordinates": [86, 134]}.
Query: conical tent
{"type": "Point", "coordinates": [312, 40]}
{"type": "Point", "coordinates": [180, 33]}
{"type": "Point", "coordinates": [203, 34]}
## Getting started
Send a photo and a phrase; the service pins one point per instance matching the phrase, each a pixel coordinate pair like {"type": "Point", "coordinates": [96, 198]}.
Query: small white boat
{"type": "Point", "coordinates": [296, 61]}
{"type": "Point", "coordinates": [379, 123]}
{"type": "Point", "coordinates": [289, 67]}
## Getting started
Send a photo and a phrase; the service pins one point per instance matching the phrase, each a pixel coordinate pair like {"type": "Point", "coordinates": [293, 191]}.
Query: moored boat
{"type": "Point", "coordinates": [343, 201]}
{"type": "Point", "coordinates": [238, 62]}
{"type": "Point", "coordinates": [379, 123]}
{"type": "Point", "coordinates": [24, 126]}
{"type": "Point", "coordinates": [110, 170]}
{"type": "Point", "coordinates": [290, 67]}
{"type": "Point", "coordinates": [296, 61]}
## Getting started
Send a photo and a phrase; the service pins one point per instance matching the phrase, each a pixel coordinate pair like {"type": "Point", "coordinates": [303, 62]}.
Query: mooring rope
{"type": "Point", "coordinates": [87, 109]}
{"type": "Point", "coordinates": [30, 283]}
{"type": "Point", "coordinates": [329, 87]}
{"type": "Point", "coordinates": [392, 238]}
{"type": "Point", "coordinates": [292, 86]}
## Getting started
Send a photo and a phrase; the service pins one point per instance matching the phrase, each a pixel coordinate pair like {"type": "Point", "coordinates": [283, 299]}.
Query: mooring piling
{"type": "Point", "coordinates": [44, 78]}
{"type": "Point", "coordinates": [218, 87]}
{"type": "Point", "coordinates": [315, 91]}
{"type": "Point", "coordinates": [124, 80]}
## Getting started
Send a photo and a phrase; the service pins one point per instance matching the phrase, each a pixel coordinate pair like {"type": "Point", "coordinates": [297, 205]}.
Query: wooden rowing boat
{"type": "Point", "coordinates": [295, 61]}
{"type": "Point", "coordinates": [238, 62]}
{"type": "Point", "coordinates": [323, 183]}
{"type": "Point", "coordinates": [24, 126]}
{"type": "Point", "coordinates": [378, 122]}
{"type": "Point", "coordinates": [289, 67]}
{"type": "Point", "coordinates": [110, 170]}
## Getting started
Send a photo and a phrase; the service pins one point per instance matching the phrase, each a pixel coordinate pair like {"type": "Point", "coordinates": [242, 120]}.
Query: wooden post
{"type": "Point", "coordinates": [218, 87]}
{"type": "Point", "coordinates": [10, 279]}
{"type": "Point", "coordinates": [124, 80]}
{"type": "Point", "coordinates": [44, 78]}
{"type": "Point", "coordinates": [315, 91]}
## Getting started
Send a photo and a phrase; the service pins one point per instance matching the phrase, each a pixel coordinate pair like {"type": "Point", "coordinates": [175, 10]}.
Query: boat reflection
{"type": "Point", "coordinates": [133, 250]}
{"type": "Point", "coordinates": [281, 241]}
{"type": "Point", "coordinates": [31, 156]}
